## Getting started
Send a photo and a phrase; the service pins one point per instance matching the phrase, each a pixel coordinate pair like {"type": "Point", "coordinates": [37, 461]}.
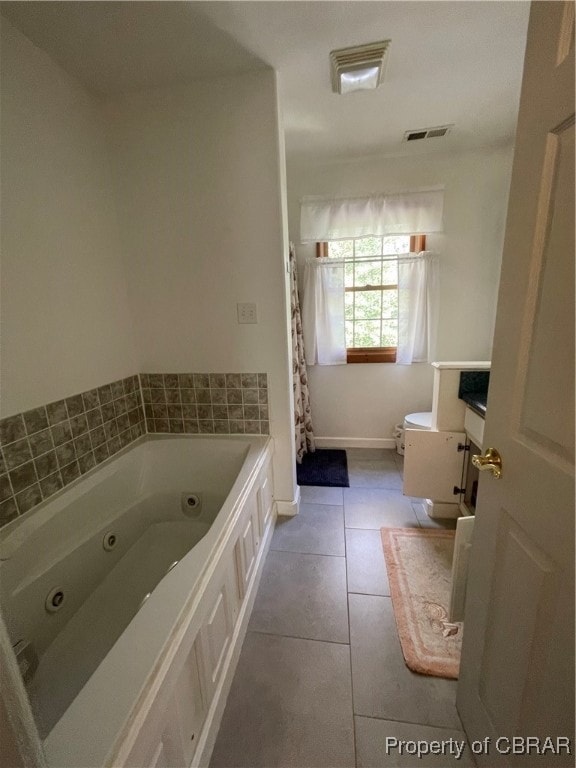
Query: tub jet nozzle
{"type": "Point", "coordinates": [109, 541]}
{"type": "Point", "coordinates": [191, 504]}
{"type": "Point", "coordinates": [54, 600]}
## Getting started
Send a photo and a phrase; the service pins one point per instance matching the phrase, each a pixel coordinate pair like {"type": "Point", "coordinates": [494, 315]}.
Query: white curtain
{"type": "Point", "coordinates": [417, 308]}
{"type": "Point", "coordinates": [408, 213]}
{"type": "Point", "coordinates": [323, 312]}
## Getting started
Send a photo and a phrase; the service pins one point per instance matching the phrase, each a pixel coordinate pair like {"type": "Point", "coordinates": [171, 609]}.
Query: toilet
{"type": "Point", "coordinates": [421, 420]}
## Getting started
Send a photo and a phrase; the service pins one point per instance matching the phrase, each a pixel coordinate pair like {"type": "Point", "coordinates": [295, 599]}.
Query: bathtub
{"type": "Point", "coordinates": [127, 597]}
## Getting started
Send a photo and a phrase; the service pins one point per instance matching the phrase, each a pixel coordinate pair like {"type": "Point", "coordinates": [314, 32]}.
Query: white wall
{"type": "Point", "coordinates": [199, 196]}
{"type": "Point", "coordinates": [65, 322]}
{"type": "Point", "coordinates": [132, 227]}
{"type": "Point", "coordinates": [365, 401]}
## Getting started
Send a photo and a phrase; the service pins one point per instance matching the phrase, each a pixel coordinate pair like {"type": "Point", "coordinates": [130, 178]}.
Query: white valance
{"type": "Point", "coordinates": [406, 213]}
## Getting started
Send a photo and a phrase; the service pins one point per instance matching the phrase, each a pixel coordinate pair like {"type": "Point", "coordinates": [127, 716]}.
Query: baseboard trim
{"type": "Point", "coordinates": [289, 508]}
{"type": "Point", "coordinates": [355, 442]}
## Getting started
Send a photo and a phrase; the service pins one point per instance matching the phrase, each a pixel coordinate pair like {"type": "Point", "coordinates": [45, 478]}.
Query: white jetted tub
{"type": "Point", "coordinates": [126, 598]}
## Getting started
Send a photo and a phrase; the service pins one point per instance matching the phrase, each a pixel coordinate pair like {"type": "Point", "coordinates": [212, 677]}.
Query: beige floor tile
{"type": "Point", "coordinates": [374, 474]}
{"type": "Point", "coordinates": [302, 596]}
{"type": "Point", "coordinates": [378, 745]}
{"type": "Point", "coordinates": [377, 508]}
{"type": "Point", "coordinates": [315, 494]}
{"type": "Point", "coordinates": [371, 454]}
{"type": "Point", "coordinates": [290, 706]}
{"type": "Point", "coordinates": [365, 563]}
{"type": "Point", "coordinates": [317, 529]}
{"type": "Point", "coordinates": [383, 685]}
{"type": "Point", "coordinates": [291, 701]}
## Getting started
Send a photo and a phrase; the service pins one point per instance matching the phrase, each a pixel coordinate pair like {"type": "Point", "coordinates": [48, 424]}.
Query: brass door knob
{"type": "Point", "coordinates": [491, 461]}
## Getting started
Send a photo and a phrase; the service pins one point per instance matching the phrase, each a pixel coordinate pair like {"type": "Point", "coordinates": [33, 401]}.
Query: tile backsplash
{"type": "Point", "coordinates": [46, 448]}
{"type": "Point", "coordinates": [210, 403]}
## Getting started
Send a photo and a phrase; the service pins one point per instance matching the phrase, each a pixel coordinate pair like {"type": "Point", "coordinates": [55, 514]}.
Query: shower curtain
{"type": "Point", "coordinates": [303, 432]}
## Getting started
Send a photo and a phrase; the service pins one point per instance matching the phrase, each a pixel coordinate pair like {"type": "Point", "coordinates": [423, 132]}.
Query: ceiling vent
{"type": "Point", "coordinates": [428, 133]}
{"type": "Point", "coordinates": [358, 68]}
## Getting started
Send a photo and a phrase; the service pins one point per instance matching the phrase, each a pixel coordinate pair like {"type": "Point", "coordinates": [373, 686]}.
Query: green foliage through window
{"type": "Point", "coordinates": [371, 279]}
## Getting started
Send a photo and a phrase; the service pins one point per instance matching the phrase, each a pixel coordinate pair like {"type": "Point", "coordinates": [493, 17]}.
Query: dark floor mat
{"type": "Point", "coordinates": [328, 467]}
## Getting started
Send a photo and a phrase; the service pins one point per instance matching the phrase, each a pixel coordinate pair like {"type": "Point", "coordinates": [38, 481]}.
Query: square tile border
{"type": "Point", "coordinates": [206, 403]}
{"type": "Point", "coordinates": [44, 449]}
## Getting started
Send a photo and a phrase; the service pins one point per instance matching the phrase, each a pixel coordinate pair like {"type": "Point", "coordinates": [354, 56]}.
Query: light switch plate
{"type": "Point", "coordinates": [247, 313]}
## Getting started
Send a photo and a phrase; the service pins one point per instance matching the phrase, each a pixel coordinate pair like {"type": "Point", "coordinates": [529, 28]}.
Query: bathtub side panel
{"type": "Point", "coordinates": [213, 639]}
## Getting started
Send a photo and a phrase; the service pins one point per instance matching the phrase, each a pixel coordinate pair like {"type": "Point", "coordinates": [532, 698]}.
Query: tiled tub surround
{"type": "Point", "coordinates": [211, 403]}
{"type": "Point", "coordinates": [46, 448]}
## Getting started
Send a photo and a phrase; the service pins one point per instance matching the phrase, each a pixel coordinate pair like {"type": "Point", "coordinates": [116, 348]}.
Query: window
{"type": "Point", "coordinates": [371, 292]}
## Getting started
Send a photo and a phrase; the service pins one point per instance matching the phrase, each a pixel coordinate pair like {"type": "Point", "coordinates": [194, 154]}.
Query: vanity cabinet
{"type": "Point", "coordinates": [474, 427]}
{"type": "Point", "coordinates": [436, 461]}
{"type": "Point", "coordinates": [434, 464]}
{"type": "Point", "coordinates": [437, 465]}
{"type": "Point", "coordinates": [438, 468]}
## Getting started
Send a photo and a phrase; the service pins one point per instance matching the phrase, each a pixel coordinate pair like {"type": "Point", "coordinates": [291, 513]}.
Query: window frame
{"type": "Point", "coordinates": [374, 354]}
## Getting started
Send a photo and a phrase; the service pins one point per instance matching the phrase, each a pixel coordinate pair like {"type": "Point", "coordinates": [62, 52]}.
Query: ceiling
{"type": "Point", "coordinates": [450, 61]}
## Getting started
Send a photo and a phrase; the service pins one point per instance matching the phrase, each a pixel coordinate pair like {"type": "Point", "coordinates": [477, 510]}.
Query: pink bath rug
{"type": "Point", "coordinates": [419, 564]}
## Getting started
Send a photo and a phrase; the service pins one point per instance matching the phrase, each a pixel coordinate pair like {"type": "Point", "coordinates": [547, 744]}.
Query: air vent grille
{"type": "Point", "coordinates": [428, 133]}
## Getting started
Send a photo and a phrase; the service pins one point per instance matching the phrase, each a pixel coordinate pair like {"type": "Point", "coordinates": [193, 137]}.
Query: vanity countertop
{"type": "Point", "coordinates": [476, 401]}
{"type": "Point", "coordinates": [463, 365]}
{"type": "Point", "coordinates": [473, 390]}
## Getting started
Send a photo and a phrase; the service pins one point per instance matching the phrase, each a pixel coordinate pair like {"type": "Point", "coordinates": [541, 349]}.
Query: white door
{"type": "Point", "coordinates": [517, 673]}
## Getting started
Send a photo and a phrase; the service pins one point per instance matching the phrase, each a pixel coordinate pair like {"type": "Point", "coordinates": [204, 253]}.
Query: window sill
{"type": "Point", "coordinates": [371, 355]}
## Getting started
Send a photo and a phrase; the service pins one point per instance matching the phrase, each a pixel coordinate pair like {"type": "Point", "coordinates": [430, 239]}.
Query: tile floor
{"type": "Point", "coordinates": [321, 681]}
